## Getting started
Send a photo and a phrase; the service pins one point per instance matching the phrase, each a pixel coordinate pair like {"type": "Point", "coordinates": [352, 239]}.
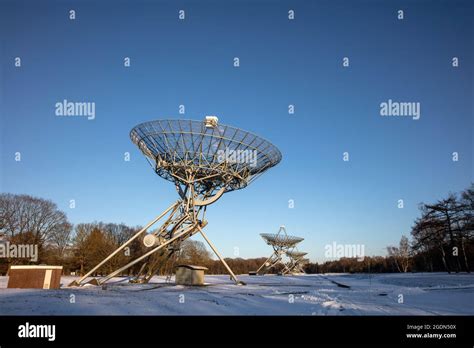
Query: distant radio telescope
{"type": "Point", "coordinates": [282, 244]}
{"type": "Point", "coordinates": [296, 262]}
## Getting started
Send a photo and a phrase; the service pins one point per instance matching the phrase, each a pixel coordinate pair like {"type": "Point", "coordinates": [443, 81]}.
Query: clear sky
{"type": "Point", "coordinates": [282, 62]}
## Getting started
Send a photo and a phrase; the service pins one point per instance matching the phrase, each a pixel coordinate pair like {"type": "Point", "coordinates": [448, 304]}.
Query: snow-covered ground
{"type": "Point", "coordinates": [422, 294]}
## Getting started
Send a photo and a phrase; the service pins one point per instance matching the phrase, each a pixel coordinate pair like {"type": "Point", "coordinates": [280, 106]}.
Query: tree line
{"type": "Point", "coordinates": [441, 240]}
{"type": "Point", "coordinates": [27, 220]}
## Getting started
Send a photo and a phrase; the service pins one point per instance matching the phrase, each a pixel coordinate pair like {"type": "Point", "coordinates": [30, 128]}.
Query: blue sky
{"type": "Point", "coordinates": [282, 62]}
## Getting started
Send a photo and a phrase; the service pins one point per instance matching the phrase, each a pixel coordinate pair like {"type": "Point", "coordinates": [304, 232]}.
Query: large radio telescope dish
{"type": "Point", "coordinates": [216, 158]}
{"type": "Point", "coordinates": [204, 159]}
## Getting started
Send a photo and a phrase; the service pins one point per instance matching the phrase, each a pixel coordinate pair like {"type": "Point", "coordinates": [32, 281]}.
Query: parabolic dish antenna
{"type": "Point", "coordinates": [296, 254]}
{"type": "Point", "coordinates": [281, 243]}
{"type": "Point", "coordinates": [204, 159]}
{"type": "Point", "coordinates": [210, 155]}
{"type": "Point", "coordinates": [296, 262]}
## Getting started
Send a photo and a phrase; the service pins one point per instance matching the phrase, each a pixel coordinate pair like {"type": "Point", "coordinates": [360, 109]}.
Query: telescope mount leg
{"type": "Point", "coordinates": [232, 275]}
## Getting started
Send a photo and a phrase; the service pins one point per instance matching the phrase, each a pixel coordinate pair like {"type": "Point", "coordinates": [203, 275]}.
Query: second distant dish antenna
{"type": "Point", "coordinates": [283, 245]}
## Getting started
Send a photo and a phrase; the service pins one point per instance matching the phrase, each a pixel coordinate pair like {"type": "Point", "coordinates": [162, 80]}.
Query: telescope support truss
{"type": "Point", "coordinates": [294, 266]}
{"type": "Point", "coordinates": [185, 218]}
{"type": "Point", "coordinates": [274, 259]}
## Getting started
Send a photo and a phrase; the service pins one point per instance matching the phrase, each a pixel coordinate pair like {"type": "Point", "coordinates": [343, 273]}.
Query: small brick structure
{"type": "Point", "coordinates": [190, 275]}
{"type": "Point", "coordinates": [34, 277]}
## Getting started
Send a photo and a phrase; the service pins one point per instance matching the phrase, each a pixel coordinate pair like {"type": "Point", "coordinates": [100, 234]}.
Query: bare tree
{"type": "Point", "coordinates": [429, 233]}
{"type": "Point", "coordinates": [22, 213]}
{"type": "Point", "coordinates": [465, 224]}
{"type": "Point", "coordinates": [194, 252]}
{"type": "Point", "coordinates": [393, 254]}
{"type": "Point", "coordinates": [60, 238]}
{"type": "Point", "coordinates": [448, 213]}
{"type": "Point", "coordinates": [404, 253]}
{"type": "Point", "coordinates": [401, 255]}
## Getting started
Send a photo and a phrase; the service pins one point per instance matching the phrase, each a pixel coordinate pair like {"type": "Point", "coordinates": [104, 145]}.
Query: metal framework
{"type": "Point", "coordinates": [296, 261]}
{"type": "Point", "coordinates": [281, 243]}
{"type": "Point", "coordinates": [203, 159]}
